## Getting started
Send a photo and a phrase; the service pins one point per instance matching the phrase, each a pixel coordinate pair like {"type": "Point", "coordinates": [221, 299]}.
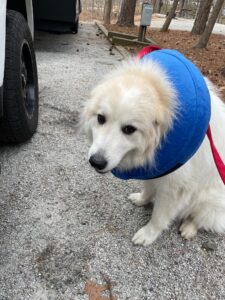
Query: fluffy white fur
{"type": "Point", "coordinates": [141, 95]}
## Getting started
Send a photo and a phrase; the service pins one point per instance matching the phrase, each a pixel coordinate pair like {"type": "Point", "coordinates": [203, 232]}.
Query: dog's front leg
{"type": "Point", "coordinates": [146, 196]}
{"type": "Point", "coordinates": [164, 211]}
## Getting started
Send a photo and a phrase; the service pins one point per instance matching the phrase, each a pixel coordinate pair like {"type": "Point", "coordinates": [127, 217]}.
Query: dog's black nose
{"type": "Point", "coordinates": [98, 161]}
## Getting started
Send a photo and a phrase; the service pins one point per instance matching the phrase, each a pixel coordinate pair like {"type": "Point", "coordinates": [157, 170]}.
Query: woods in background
{"type": "Point", "coordinates": [204, 38]}
{"type": "Point", "coordinates": [205, 13]}
{"type": "Point", "coordinates": [127, 12]}
{"type": "Point", "coordinates": [202, 16]}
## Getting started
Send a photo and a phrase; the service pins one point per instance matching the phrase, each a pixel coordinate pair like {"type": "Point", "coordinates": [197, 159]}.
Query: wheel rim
{"type": "Point", "coordinates": [27, 80]}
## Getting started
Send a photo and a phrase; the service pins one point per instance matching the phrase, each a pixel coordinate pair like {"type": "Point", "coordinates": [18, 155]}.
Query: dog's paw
{"type": "Point", "coordinates": [188, 230]}
{"type": "Point", "coordinates": [136, 199]}
{"type": "Point", "coordinates": [145, 236]}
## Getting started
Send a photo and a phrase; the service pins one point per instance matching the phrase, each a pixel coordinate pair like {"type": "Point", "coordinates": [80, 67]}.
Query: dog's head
{"type": "Point", "coordinates": [127, 116]}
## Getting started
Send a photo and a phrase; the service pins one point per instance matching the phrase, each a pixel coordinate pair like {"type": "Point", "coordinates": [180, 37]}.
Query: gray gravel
{"type": "Point", "coordinates": [62, 224]}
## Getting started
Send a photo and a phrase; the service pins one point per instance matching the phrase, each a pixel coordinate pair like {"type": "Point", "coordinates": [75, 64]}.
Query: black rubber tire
{"type": "Point", "coordinates": [75, 27]}
{"type": "Point", "coordinates": [20, 86]}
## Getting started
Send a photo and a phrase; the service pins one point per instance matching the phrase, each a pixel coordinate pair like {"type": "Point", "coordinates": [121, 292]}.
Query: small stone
{"type": "Point", "coordinates": [209, 246]}
{"type": "Point", "coordinates": [48, 215]}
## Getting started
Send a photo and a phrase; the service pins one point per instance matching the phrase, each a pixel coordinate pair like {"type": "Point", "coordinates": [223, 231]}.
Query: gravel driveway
{"type": "Point", "coordinates": [63, 226]}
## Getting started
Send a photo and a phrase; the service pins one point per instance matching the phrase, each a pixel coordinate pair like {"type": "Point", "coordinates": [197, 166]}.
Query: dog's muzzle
{"type": "Point", "coordinates": [98, 162]}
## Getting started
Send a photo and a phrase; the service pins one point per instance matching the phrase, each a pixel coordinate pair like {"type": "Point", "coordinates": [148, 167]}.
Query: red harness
{"type": "Point", "coordinates": [218, 161]}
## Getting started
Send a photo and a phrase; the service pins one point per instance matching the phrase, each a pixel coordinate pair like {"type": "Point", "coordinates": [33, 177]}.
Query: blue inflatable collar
{"type": "Point", "coordinates": [189, 129]}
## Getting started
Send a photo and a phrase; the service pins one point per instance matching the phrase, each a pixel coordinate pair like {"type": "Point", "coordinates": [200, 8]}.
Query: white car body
{"type": "Point", "coordinates": [30, 21]}
{"type": "Point", "coordinates": [2, 39]}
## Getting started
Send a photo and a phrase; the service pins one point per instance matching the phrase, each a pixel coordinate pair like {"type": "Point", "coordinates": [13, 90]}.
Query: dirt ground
{"type": "Point", "coordinates": [65, 231]}
{"type": "Point", "coordinates": [211, 61]}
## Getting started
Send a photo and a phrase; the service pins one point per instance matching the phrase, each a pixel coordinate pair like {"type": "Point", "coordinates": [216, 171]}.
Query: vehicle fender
{"type": "Point", "coordinates": [30, 16]}
{"type": "Point", "coordinates": [2, 38]}
{"type": "Point", "coordinates": [2, 49]}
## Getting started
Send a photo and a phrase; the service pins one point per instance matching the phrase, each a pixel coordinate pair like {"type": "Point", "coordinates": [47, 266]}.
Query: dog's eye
{"type": "Point", "coordinates": [101, 119]}
{"type": "Point", "coordinates": [129, 129]}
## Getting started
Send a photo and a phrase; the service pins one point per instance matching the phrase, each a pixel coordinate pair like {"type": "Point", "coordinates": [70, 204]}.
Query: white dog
{"type": "Point", "coordinates": [126, 118]}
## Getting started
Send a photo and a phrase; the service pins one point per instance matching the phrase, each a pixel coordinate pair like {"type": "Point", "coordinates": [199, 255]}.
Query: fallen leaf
{"type": "Point", "coordinates": [94, 291]}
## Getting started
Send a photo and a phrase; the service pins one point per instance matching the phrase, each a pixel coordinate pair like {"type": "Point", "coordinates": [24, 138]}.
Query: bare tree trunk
{"type": "Point", "coordinates": [170, 16]}
{"type": "Point", "coordinates": [107, 11]}
{"type": "Point", "coordinates": [182, 2]}
{"type": "Point", "coordinates": [158, 5]}
{"type": "Point", "coordinates": [92, 9]}
{"type": "Point", "coordinates": [220, 14]}
{"type": "Point", "coordinates": [166, 5]}
{"type": "Point", "coordinates": [154, 5]}
{"type": "Point", "coordinates": [202, 17]}
{"type": "Point", "coordinates": [204, 38]}
{"type": "Point", "coordinates": [127, 11]}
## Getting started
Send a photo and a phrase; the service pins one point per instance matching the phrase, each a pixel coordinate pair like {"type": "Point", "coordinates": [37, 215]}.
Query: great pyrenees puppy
{"type": "Point", "coordinates": [126, 117]}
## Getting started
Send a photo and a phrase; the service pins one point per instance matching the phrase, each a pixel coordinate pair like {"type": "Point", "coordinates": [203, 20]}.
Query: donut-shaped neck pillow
{"type": "Point", "coordinates": [189, 128]}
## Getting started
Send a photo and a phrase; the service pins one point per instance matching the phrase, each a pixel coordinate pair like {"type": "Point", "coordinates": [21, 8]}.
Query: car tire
{"type": "Point", "coordinates": [75, 27]}
{"type": "Point", "coordinates": [20, 86]}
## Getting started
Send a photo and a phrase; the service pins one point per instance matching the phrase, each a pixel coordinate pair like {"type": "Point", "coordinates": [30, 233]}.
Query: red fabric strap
{"type": "Point", "coordinates": [147, 50]}
{"type": "Point", "coordinates": [218, 161]}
